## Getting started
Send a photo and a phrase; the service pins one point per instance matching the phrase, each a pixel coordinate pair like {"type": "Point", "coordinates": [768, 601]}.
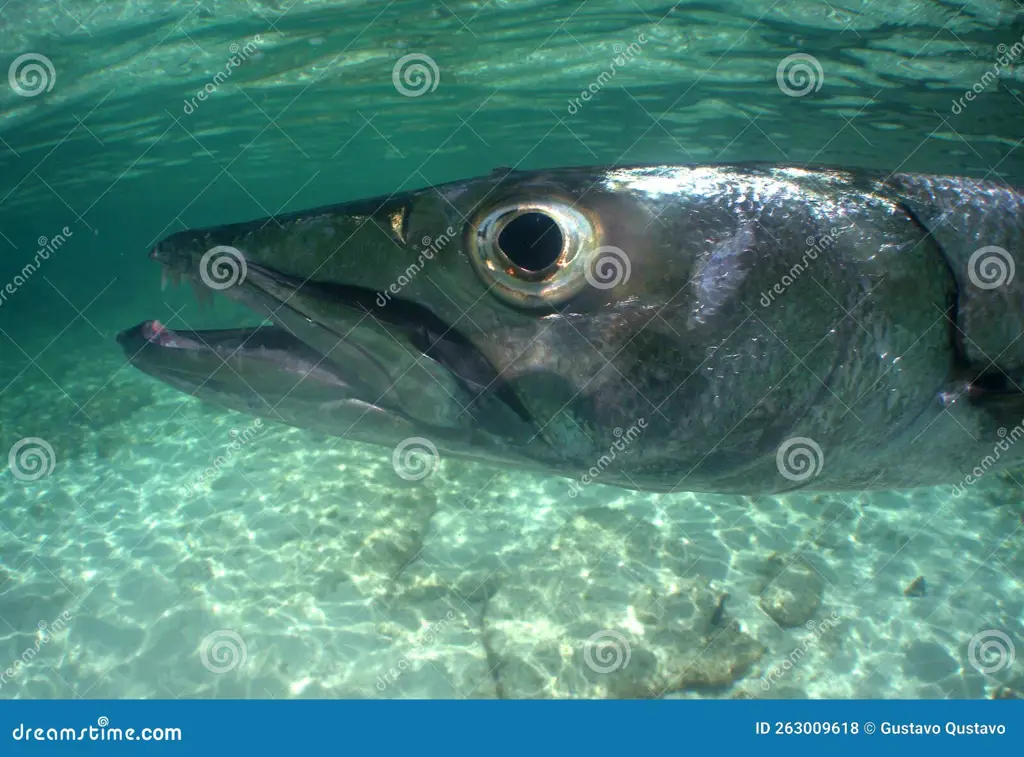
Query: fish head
{"type": "Point", "coordinates": [534, 315]}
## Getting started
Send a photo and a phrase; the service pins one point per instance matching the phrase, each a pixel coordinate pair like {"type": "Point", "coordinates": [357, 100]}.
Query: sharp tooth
{"type": "Point", "coordinates": [204, 296]}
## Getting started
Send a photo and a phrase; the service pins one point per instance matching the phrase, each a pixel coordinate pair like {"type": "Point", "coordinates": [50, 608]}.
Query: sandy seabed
{"type": "Point", "coordinates": [179, 551]}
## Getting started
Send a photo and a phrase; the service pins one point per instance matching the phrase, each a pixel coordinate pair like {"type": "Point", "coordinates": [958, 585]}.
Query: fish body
{"type": "Point", "coordinates": [737, 329]}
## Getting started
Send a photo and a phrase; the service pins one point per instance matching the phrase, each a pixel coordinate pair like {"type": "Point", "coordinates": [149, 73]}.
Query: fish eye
{"type": "Point", "coordinates": [531, 241]}
{"type": "Point", "coordinates": [533, 253]}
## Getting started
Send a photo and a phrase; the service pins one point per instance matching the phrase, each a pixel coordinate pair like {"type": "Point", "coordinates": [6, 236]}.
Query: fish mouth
{"type": "Point", "coordinates": [191, 360]}
{"type": "Point", "coordinates": [266, 372]}
{"type": "Point", "coordinates": [335, 354]}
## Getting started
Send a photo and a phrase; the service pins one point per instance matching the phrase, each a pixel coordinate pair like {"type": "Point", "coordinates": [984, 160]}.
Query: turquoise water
{"type": "Point", "coordinates": [165, 548]}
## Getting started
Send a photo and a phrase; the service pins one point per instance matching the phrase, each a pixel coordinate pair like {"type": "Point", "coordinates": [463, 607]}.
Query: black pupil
{"type": "Point", "coordinates": [531, 241]}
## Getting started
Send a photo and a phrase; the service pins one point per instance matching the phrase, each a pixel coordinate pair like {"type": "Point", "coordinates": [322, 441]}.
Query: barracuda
{"type": "Point", "coordinates": [744, 329]}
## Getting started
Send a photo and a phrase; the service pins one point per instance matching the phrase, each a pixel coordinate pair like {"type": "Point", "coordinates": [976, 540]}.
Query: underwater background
{"type": "Point", "coordinates": [154, 546]}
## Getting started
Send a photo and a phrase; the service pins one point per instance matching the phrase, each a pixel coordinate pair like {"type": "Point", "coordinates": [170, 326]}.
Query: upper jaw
{"type": "Point", "coordinates": [382, 350]}
{"type": "Point", "coordinates": [178, 263]}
